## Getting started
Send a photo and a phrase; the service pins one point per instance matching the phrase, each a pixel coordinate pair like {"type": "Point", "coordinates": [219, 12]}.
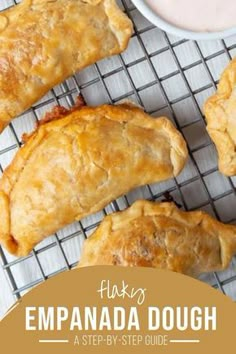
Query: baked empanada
{"type": "Point", "coordinates": [220, 111]}
{"type": "Point", "coordinates": [162, 236]}
{"type": "Point", "coordinates": [42, 42]}
{"type": "Point", "coordinates": [74, 166]}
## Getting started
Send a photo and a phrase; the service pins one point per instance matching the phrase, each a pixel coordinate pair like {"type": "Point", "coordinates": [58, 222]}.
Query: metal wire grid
{"type": "Point", "coordinates": [183, 189]}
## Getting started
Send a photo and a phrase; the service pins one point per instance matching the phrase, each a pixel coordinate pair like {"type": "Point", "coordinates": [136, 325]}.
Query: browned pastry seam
{"type": "Point", "coordinates": [56, 113]}
{"type": "Point", "coordinates": [161, 235]}
{"type": "Point", "coordinates": [220, 111]}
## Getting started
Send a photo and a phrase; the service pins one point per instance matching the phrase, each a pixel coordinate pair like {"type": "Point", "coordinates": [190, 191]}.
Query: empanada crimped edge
{"type": "Point", "coordinates": [78, 164]}
{"type": "Point", "coordinates": [219, 109]}
{"type": "Point", "coordinates": [160, 235]}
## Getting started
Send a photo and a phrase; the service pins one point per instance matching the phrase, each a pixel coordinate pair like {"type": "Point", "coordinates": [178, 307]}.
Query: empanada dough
{"type": "Point", "coordinates": [42, 42]}
{"type": "Point", "coordinates": [162, 236]}
{"type": "Point", "coordinates": [76, 165]}
{"type": "Point", "coordinates": [220, 111]}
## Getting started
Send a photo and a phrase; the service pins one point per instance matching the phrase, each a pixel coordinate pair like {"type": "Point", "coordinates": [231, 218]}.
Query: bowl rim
{"type": "Point", "coordinates": [147, 11]}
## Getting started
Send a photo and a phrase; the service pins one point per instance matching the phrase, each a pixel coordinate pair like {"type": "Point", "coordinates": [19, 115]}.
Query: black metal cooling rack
{"type": "Point", "coordinates": [146, 73]}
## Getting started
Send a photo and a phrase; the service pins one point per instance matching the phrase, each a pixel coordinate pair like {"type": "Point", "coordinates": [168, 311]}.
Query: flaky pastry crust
{"type": "Point", "coordinates": [162, 236]}
{"type": "Point", "coordinates": [74, 166]}
{"type": "Point", "coordinates": [220, 111]}
{"type": "Point", "coordinates": [42, 42]}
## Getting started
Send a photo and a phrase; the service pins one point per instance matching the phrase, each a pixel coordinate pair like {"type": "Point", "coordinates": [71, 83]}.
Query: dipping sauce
{"type": "Point", "coordinates": [197, 15]}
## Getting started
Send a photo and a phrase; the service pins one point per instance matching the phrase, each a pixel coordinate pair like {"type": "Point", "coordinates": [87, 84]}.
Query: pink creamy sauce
{"type": "Point", "coordinates": [197, 15]}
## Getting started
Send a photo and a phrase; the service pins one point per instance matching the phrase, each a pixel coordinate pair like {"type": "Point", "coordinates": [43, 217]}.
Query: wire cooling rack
{"type": "Point", "coordinates": [167, 76]}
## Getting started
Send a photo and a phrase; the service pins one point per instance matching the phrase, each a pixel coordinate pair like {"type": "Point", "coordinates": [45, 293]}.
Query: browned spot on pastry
{"type": "Point", "coordinates": [56, 113]}
{"type": "Point", "coordinates": [80, 102]}
{"type": "Point", "coordinates": [116, 259]}
{"type": "Point", "coordinates": [59, 112]}
{"type": "Point", "coordinates": [12, 244]}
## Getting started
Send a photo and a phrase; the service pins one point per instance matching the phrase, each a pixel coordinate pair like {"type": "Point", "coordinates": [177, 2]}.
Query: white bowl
{"type": "Point", "coordinates": [153, 17]}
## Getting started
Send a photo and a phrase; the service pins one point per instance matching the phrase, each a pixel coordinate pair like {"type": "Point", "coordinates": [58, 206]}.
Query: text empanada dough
{"type": "Point", "coordinates": [76, 165]}
{"type": "Point", "coordinates": [162, 236]}
{"type": "Point", "coordinates": [220, 111]}
{"type": "Point", "coordinates": [42, 42]}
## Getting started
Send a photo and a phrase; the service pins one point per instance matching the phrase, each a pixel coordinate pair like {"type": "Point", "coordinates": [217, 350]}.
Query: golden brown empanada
{"type": "Point", "coordinates": [220, 111]}
{"type": "Point", "coordinates": [162, 236]}
{"type": "Point", "coordinates": [74, 166]}
{"type": "Point", "coordinates": [42, 42]}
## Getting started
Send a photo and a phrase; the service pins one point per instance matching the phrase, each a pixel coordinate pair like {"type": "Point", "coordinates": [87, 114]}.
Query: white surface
{"type": "Point", "coordinates": [6, 297]}
{"type": "Point", "coordinates": [197, 16]}
{"type": "Point", "coordinates": [187, 23]}
{"type": "Point", "coordinates": [142, 71]}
